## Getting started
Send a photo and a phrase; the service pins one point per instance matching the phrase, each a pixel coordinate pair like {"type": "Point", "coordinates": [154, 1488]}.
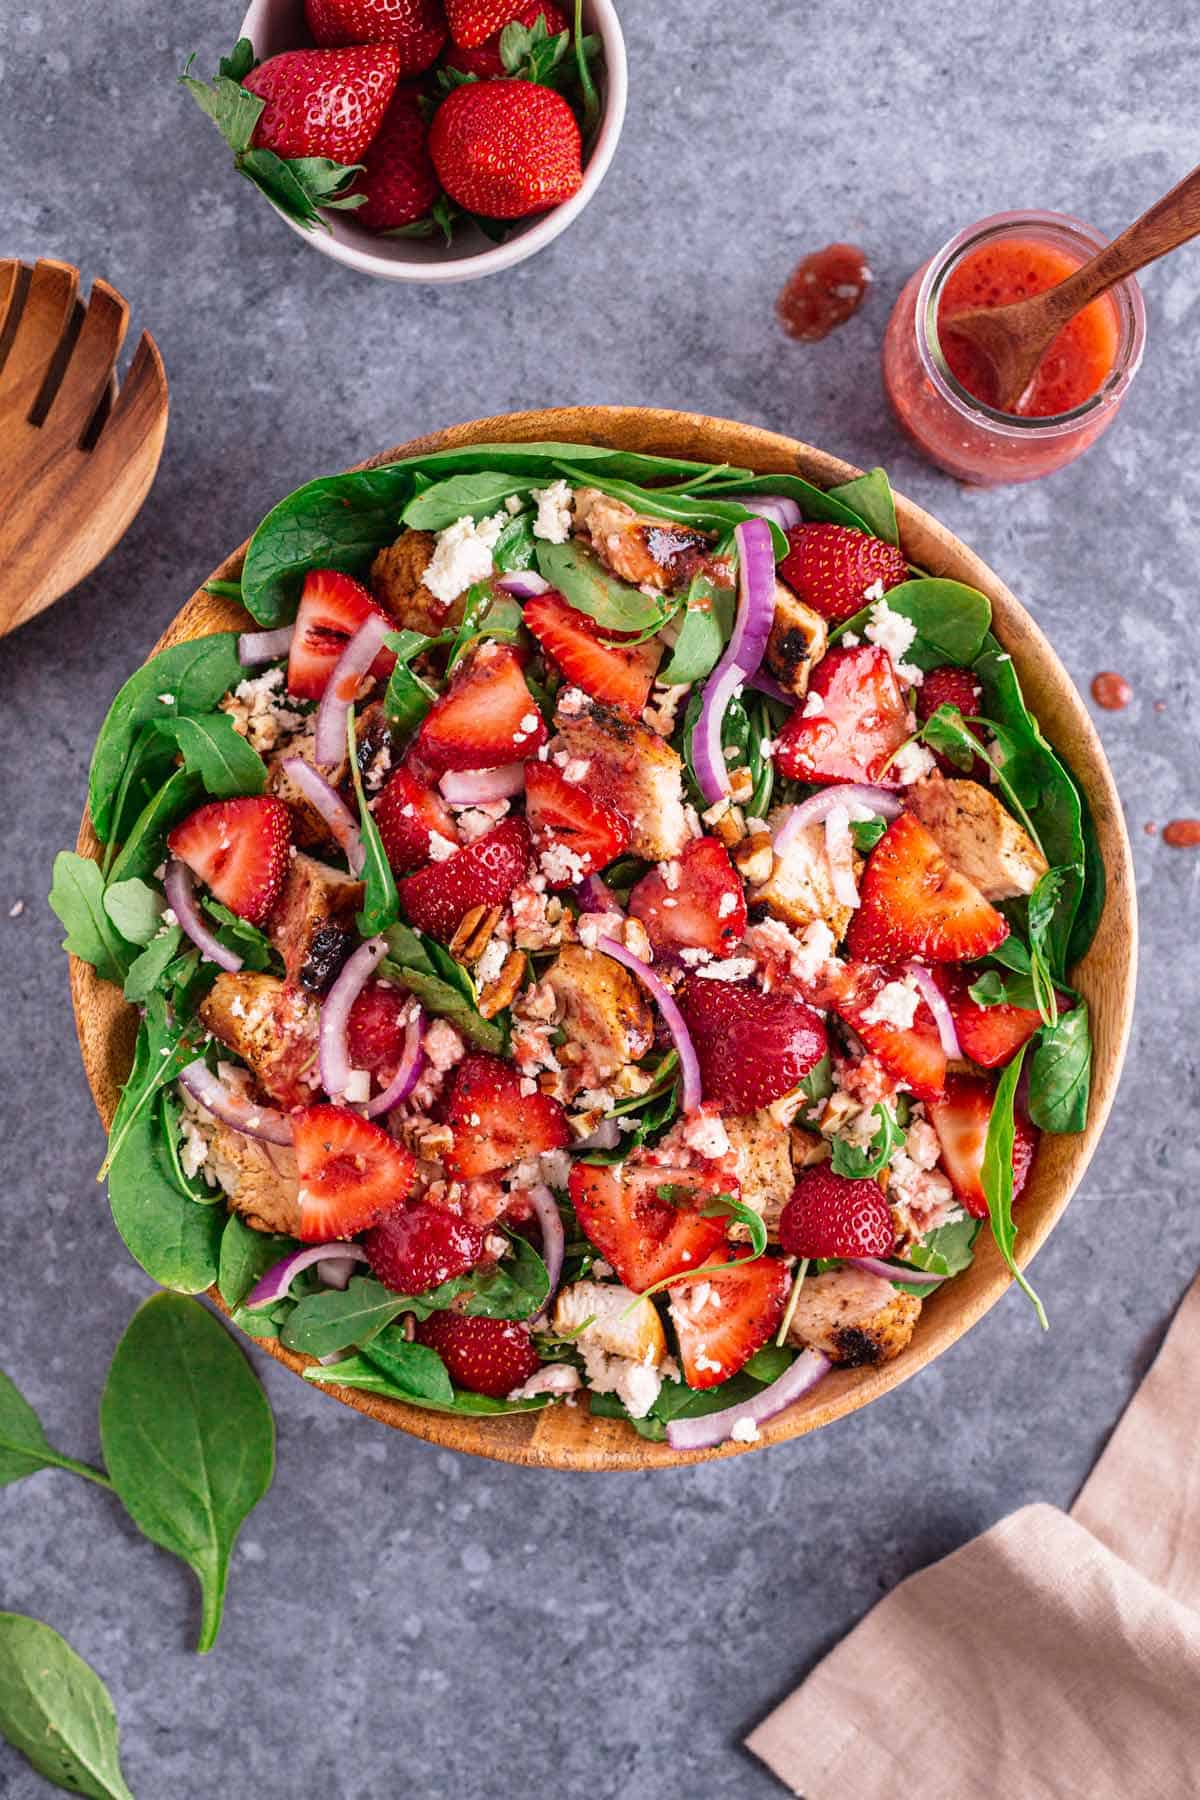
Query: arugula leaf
{"type": "Point", "coordinates": [707, 623]}
{"type": "Point", "coordinates": [77, 897]}
{"type": "Point", "coordinates": [148, 971]}
{"type": "Point", "coordinates": [863, 1162]}
{"type": "Point", "coordinates": [147, 768]}
{"type": "Point", "coordinates": [470, 496]}
{"type": "Point", "coordinates": [245, 1257]}
{"type": "Point", "coordinates": [381, 902]}
{"type": "Point", "coordinates": [867, 833]}
{"type": "Point", "coordinates": [870, 496]}
{"type": "Point", "coordinates": [56, 1711]}
{"type": "Point", "coordinates": [146, 844]}
{"type": "Point", "coordinates": [135, 909]}
{"type": "Point", "coordinates": [24, 1446]}
{"type": "Point", "coordinates": [586, 585]}
{"type": "Point", "coordinates": [997, 1174]}
{"type": "Point", "coordinates": [213, 749]}
{"type": "Point", "coordinates": [725, 1207]}
{"type": "Point", "coordinates": [817, 1085]}
{"type": "Point", "coordinates": [1060, 1074]}
{"type": "Point", "coordinates": [252, 945]}
{"type": "Point", "coordinates": [952, 620]}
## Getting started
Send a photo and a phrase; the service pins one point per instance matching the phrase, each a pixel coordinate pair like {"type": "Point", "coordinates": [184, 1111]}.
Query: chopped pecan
{"type": "Point", "coordinates": [503, 991]}
{"type": "Point", "coordinates": [741, 784]}
{"type": "Point", "coordinates": [475, 929]}
{"type": "Point", "coordinates": [754, 857]}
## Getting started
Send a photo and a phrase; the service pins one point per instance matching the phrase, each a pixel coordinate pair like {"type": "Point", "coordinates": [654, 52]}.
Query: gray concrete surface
{"type": "Point", "coordinates": [401, 1620]}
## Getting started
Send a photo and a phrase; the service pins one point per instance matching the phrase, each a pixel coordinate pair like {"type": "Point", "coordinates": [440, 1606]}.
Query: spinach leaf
{"type": "Point", "coordinates": [381, 902]}
{"type": "Point", "coordinates": [460, 497]}
{"type": "Point", "coordinates": [77, 897]}
{"type": "Point", "coordinates": [188, 1438]}
{"type": "Point", "coordinates": [146, 844]}
{"type": "Point", "coordinates": [334, 1319]}
{"type": "Point", "coordinates": [870, 496]}
{"type": "Point", "coordinates": [1095, 884]}
{"type": "Point", "coordinates": [135, 908]}
{"type": "Point", "coordinates": [161, 1052]}
{"type": "Point", "coordinates": [769, 1363]}
{"type": "Point", "coordinates": [56, 1711]}
{"type": "Point", "coordinates": [948, 1249]}
{"type": "Point", "coordinates": [815, 503]}
{"type": "Point", "coordinates": [245, 1257]}
{"type": "Point", "coordinates": [414, 1368]}
{"type": "Point", "coordinates": [586, 585]}
{"type": "Point", "coordinates": [187, 678]}
{"type": "Point", "coordinates": [357, 1372]}
{"type": "Point", "coordinates": [442, 985]}
{"type": "Point", "coordinates": [407, 698]}
{"type": "Point", "coordinates": [173, 1239]}
{"type": "Point", "coordinates": [991, 989]}
{"type": "Point", "coordinates": [1060, 1074]}
{"type": "Point", "coordinates": [694, 505]}
{"type": "Point", "coordinates": [24, 1446]}
{"type": "Point", "coordinates": [213, 749]}
{"type": "Point", "coordinates": [952, 620]}
{"type": "Point", "coordinates": [516, 547]}
{"type": "Point", "coordinates": [997, 1174]}
{"type": "Point", "coordinates": [707, 623]}
{"type": "Point", "coordinates": [867, 833]}
{"type": "Point", "coordinates": [861, 1162]}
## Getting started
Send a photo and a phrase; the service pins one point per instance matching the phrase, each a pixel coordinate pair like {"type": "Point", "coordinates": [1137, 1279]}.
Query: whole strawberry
{"type": "Point", "coordinates": [323, 103]}
{"type": "Point", "coordinates": [471, 21]}
{"type": "Point", "coordinates": [488, 1356]}
{"type": "Point", "coordinates": [486, 61]}
{"type": "Point", "coordinates": [506, 149]}
{"type": "Point", "coordinates": [398, 179]}
{"type": "Point", "coordinates": [836, 1215]}
{"type": "Point", "coordinates": [416, 28]}
{"type": "Point", "coordinates": [831, 567]}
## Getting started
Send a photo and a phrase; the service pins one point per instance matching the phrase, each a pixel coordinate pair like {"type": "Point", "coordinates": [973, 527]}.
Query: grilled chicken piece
{"type": "Point", "coordinates": [763, 1164]}
{"type": "Point", "coordinates": [974, 832]}
{"type": "Point", "coordinates": [396, 581]}
{"type": "Point", "coordinates": [309, 828]}
{"type": "Point", "coordinates": [272, 1025]}
{"type": "Point", "coordinates": [799, 638]}
{"type": "Point", "coordinates": [261, 1181]}
{"type": "Point", "coordinates": [647, 552]}
{"type": "Point", "coordinates": [799, 889]}
{"type": "Point", "coordinates": [853, 1318]}
{"type": "Point", "coordinates": [602, 1009]}
{"type": "Point", "coordinates": [632, 769]}
{"type": "Point", "coordinates": [312, 924]}
{"type": "Point", "coordinates": [639, 1336]}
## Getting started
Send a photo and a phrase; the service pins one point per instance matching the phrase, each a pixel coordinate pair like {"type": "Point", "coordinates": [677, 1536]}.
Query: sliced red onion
{"type": "Point", "coordinates": [334, 1053]}
{"type": "Point", "coordinates": [606, 1136]}
{"type": "Point", "coordinates": [412, 1061]}
{"type": "Point", "coordinates": [332, 808]}
{"type": "Point", "coordinates": [717, 1428]}
{"type": "Point", "coordinates": [523, 584]}
{"type": "Point", "coordinates": [743, 654]}
{"type": "Point", "coordinates": [554, 1241]}
{"type": "Point", "coordinates": [232, 1108]}
{"type": "Point", "coordinates": [277, 1282]}
{"type": "Point", "coordinates": [335, 1272]}
{"type": "Point", "coordinates": [839, 852]}
{"type": "Point", "coordinates": [767, 684]}
{"type": "Point", "coordinates": [875, 1265]}
{"type": "Point", "coordinates": [264, 646]}
{"type": "Point", "coordinates": [664, 999]}
{"type": "Point", "coordinates": [872, 799]}
{"type": "Point", "coordinates": [181, 896]}
{"type": "Point", "coordinates": [341, 690]}
{"type": "Point", "coordinates": [939, 1006]}
{"type": "Point", "coordinates": [595, 895]}
{"type": "Point", "coordinates": [472, 787]}
{"type": "Point", "coordinates": [778, 508]}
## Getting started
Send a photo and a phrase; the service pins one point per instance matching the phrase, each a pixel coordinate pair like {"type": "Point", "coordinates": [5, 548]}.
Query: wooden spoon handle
{"type": "Point", "coordinates": [1170, 222]}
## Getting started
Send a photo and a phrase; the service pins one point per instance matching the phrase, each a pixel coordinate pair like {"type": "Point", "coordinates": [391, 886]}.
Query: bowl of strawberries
{"type": "Point", "coordinates": [423, 140]}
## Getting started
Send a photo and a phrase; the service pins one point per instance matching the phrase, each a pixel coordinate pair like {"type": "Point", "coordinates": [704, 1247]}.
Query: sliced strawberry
{"type": "Point", "coordinates": [989, 1035]}
{"type": "Point", "coordinates": [696, 902]}
{"type": "Point", "coordinates": [239, 849]}
{"type": "Point", "coordinates": [486, 1356]}
{"type": "Point", "coordinates": [419, 1246]}
{"type": "Point", "coordinates": [620, 674]}
{"type": "Point", "coordinates": [486, 717]}
{"type": "Point", "coordinates": [752, 1047]}
{"type": "Point", "coordinates": [332, 607]}
{"type": "Point", "coordinates": [407, 814]}
{"type": "Point", "coordinates": [862, 721]}
{"type": "Point", "coordinates": [351, 1172]}
{"type": "Point", "coordinates": [914, 903]}
{"type": "Point", "coordinates": [836, 1215]}
{"type": "Point", "coordinates": [961, 1119]}
{"type": "Point", "coordinates": [376, 1028]}
{"type": "Point", "coordinates": [646, 1219]}
{"type": "Point", "coordinates": [573, 834]}
{"type": "Point", "coordinates": [723, 1319]}
{"type": "Point", "coordinates": [951, 685]}
{"type": "Point", "coordinates": [483, 874]}
{"type": "Point", "coordinates": [495, 1124]}
{"type": "Point", "coordinates": [913, 1054]}
{"type": "Point", "coordinates": [832, 566]}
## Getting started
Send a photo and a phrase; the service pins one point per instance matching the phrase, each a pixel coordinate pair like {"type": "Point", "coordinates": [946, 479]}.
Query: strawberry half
{"type": "Point", "coordinates": [495, 1124]}
{"type": "Point", "coordinates": [832, 566]}
{"type": "Point", "coordinates": [419, 1246]}
{"type": "Point", "coordinates": [619, 674]}
{"type": "Point", "coordinates": [961, 1119]}
{"type": "Point", "coordinates": [407, 814]}
{"type": "Point", "coordinates": [376, 1028]}
{"type": "Point", "coordinates": [913, 903]}
{"type": "Point", "coordinates": [239, 849]}
{"type": "Point", "coordinates": [698, 903]}
{"type": "Point", "coordinates": [914, 1055]}
{"type": "Point", "coordinates": [643, 1234]}
{"type": "Point", "coordinates": [951, 685]}
{"type": "Point", "coordinates": [485, 59]}
{"type": "Point", "coordinates": [722, 1320]}
{"type": "Point", "coordinates": [506, 149]}
{"type": "Point", "coordinates": [862, 721]}
{"type": "Point", "coordinates": [323, 103]}
{"type": "Point", "coordinates": [332, 607]}
{"type": "Point", "coordinates": [351, 1172]}
{"type": "Point", "coordinates": [752, 1047]}
{"type": "Point", "coordinates": [573, 834]}
{"type": "Point", "coordinates": [484, 874]}
{"type": "Point", "coordinates": [486, 717]}
{"type": "Point", "coordinates": [836, 1215]}
{"type": "Point", "coordinates": [989, 1035]}
{"type": "Point", "coordinates": [472, 21]}
{"type": "Point", "coordinates": [486, 1356]}
{"type": "Point", "coordinates": [416, 29]}
{"type": "Point", "coordinates": [398, 178]}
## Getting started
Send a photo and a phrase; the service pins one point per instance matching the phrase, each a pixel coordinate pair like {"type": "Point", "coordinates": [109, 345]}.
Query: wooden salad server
{"type": "Point", "coordinates": [77, 454]}
{"type": "Point", "coordinates": [1014, 338]}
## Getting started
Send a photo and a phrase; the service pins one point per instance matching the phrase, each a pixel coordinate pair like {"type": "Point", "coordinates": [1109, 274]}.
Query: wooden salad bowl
{"type": "Point", "coordinates": [565, 1437]}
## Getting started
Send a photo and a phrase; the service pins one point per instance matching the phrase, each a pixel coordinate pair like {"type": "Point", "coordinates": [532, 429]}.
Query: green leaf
{"type": "Point", "coordinates": [56, 1711]}
{"type": "Point", "coordinates": [415, 1369]}
{"type": "Point", "coordinates": [870, 496]}
{"type": "Point", "coordinates": [707, 623]}
{"type": "Point", "coordinates": [337, 1318]}
{"type": "Point", "coordinates": [1061, 1072]}
{"type": "Point", "coordinates": [863, 1162]}
{"type": "Point", "coordinates": [516, 547]}
{"type": "Point", "coordinates": [357, 1372]}
{"type": "Point", "coordinates": [470, 496]}
{"type": "Point", "coordinates": [952, 620]}
{"type": "Point", "coordinates": [233, 109]}
{"type": "Point", "coordinates": [586, 585]}
{"type": "Point", "coordinates": [817, 1085]}
{"type": "Point", "coordinates": [1095, 883]}
{"type": "Point", "coordinates": [146, 845]}
{"type": "Point", "coordinates": [769, 1363]}
{"type": "Point", "coordinates": [24, 1446]}
{"type": "Point", "coordinates": [725, 1207]}
{"type": "Point", "coordinates": [997, 1174]}
{"type": "Point", "coordinates": [252, 945]}
{"type": "Point", "coordinates": [867, 833]}
{"type": "Point", "coordinates": [213, 749]}
{"type": "Point", "coordinates": [814, 502]}
{"type": "Point", "coordinates": [77, 897]}
{"type": "Point", "coordinates": [188, 1438]}
{"type": "Point", "coordinates": [447, 1002]}
{"type": "Point", "coordinates": [407, 698]}
{"type": "Point", "coordinates": [381, 902]}
{"type": "Point", "coordinates": [245, 1257]}
{"type": "Point", "coordinates": [135, 908]}
{"type": "Point", "coordinates": [587, 87]}
{"type": "Point", "coordinates": [948, 1249]}
{"type": "Point", "coordinates": [175, 1241]}
{"type": "Point", "coordinates": [238, 64]}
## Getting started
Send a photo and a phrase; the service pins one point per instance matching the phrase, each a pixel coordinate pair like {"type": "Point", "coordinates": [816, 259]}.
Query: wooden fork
{"type": "Point", "coordinates": [77, 455]}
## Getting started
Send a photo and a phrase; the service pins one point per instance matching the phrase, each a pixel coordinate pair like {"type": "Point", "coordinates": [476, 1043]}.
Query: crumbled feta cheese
{"type": "Point", "coordinates": [259, 710]}
{"type": "Point", "coordinates": [728, 903]}
{"type": "Point", "coordinates": [166, 699]}
{"type": "Point", "coordinates": [813, 704]}
{"type": "Point", "coordinates": [694, 956]}
{"type": "Point", "coordinates": [890, 630]}
{"type": "Point", "coordinates": [440, 848]}
{"type": "Point", "coordinates": [731, 968]}
{"type": "Point", "coordinates": [636, 1385]}
{"type": "Point", "coordinates": [442, 1045]}
{"type": "Point", "coordinates": [16, 909]}
{"type": "Point", "coordinates": [670, 872]}
{"type": "Point", "coordinates": [513, 505]}
{"type": "Point", "coordinates": [912, 762]}
{"type": "Point", "coordinates": [849, 640]}
{"type": "Point", "coordinates": [744, 1430]}
{"type": "Point", "coordinates": [462, 555]}
{"type": "Point", "coordinates": [875, 591]}
{"type": "Point", "coordinates": [895, 1004]}
{"type": "Point", "coordinates": [488, 968]}
{"type": "Point", "coordinates": [575, 769]}
{"type": "Point", "coordinates": [705, 1134]}
{"type": "Point", "coordinates": [554, 504]}
{"type": "Point", "coordinates": [601, 1269]}
{"type": "Point", "coordinates": [551, 1378]}
{"type": "Point", "coordinates": [358, 1088]}
{"type": "Point", "coordinates": [562, 865]}
{"type": "Point", "coordinates": [595, 925]}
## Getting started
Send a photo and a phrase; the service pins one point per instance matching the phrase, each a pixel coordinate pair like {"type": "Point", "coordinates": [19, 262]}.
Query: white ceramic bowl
{"type": "Point", "coordinates": [276, 25]}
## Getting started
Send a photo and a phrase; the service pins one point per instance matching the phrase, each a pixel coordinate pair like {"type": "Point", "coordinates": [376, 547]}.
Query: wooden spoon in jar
{"type": "Point", "coordinates": [1013, 339]}
{"type": "Point", "coordinates": [77, 456]}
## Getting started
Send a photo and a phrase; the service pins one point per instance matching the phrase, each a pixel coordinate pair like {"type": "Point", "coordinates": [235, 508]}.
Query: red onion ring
{"type": "Point", "coordinates": [595, 895]}
{"type": "Point", "coordinates": [334, 1272]}
{"type": "Point", "coordinates": [778, 508]}
{"type": "Point", "coordinates": [554, 1241]}
{"type": "Point", "coordinates": [664, 999]}
{"type": "Point", "coordinates": [939, 1006]}
{"type": "Point", "coordinates": [412, 1061]}
{"type": "Point", "coordinates": [471, 787]}
{"type": "Point", "coordinates": [181, 896]}
{"type": "Point", "coordinates": [606, 1136]}
{"type": "Point", "coordinates": [341, 690]}
{"type": "Point", "coordinates": [877, 800]}
{"type": "Point", "coordinates": [743, 654]}
{"type": "Point", "coordinates": [264, 646]}
{"type": "Point", "coordinates": [839, 852]}
{"type": "Point", "coordinates": [767, 684]}
{"type": "Point", "coordinates": [716, 1428]}
{"type": "Point", "coordinates": [332, 808]}
{"type": "Point", "coordinates": [264, 1122]}
{"type": "Point", "coordinates": [875, 1265]}
{"type": "Point", "coordinates": [276, 1283]}
{"type": "Point", "coordinates": [523, 584]}
{"type": "Point", "coordinates": [333, 1050]}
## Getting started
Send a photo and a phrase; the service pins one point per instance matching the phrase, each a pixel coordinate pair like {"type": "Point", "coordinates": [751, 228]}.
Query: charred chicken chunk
{"type": "Point", "coordinates": [644, 551]}
{"type": "Point", "coordinates": [629, 767]}
{"type": "Point", "coordinates": [853, 1318]}
{"type": "Point", "coordinates": [272, 1025]}
{"type": "Point", "coordinates": [602, 1009]}
{"type": "Point", "coordinates": [312, 925]}
{"type": "Point", "coordinates": [978, 836]}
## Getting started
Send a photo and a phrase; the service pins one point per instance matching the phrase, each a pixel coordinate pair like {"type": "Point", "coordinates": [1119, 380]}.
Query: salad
{"type": "Point", "coordinates": [606, 932]}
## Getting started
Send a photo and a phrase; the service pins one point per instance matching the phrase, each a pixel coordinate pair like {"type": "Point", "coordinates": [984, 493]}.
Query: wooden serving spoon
{"type": "Point", "coordinates": [1014, 338]}
{"type": "Point", "coordinates": [77, 456]}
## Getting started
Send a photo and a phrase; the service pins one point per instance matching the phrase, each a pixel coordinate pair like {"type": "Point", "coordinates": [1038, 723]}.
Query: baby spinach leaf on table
{"type": "Point", "coordinates": [245, 1257]}
{"type": "Point", "coordinates": [77, 897]}
{"type": "Point", "coordinates": [1060, 1073]}
{"type": "Point", "coordinates": [135, 908]}
{"type": "Point", "coordinates": [146, 844]}
{"type": "Point", "coordinates": [414, 1368]}
{"type": "Point", "coordinates": [56, 1711]}
{"type": "Point", "coordinates": [948, 1249]}
{"type": "Point", "coordinates": [192, 676]}
{"type": "Point", "coordinates": [213, 749]}
{"type": "Point", "coordinates": [381, 902]}
{"type": "Point", "coordinates": [952, 620]}
{"type": "Point", "coordinates": [997, 1174]}
{"type": "Point", "coordinates": [357, 1372]}
{"type": "Point", "coordinates": [862, 1161]}
{"type": "Point", "coordinates": [587, 586]}
{"type": "Point", "coordinates": [707, 622]}
{"type": "Point", "coordinates": [24, 1446]}
{"type": "Point", "coordinates": [871, 497]}
{"type": "Point", "coordinates": [475, 496]}
{"type": "Point", "coordinates": [188, 1439]}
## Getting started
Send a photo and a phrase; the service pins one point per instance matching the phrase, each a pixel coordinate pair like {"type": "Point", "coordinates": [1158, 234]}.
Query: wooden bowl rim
{"type": "Point", "coordinates": [569, 1438]}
